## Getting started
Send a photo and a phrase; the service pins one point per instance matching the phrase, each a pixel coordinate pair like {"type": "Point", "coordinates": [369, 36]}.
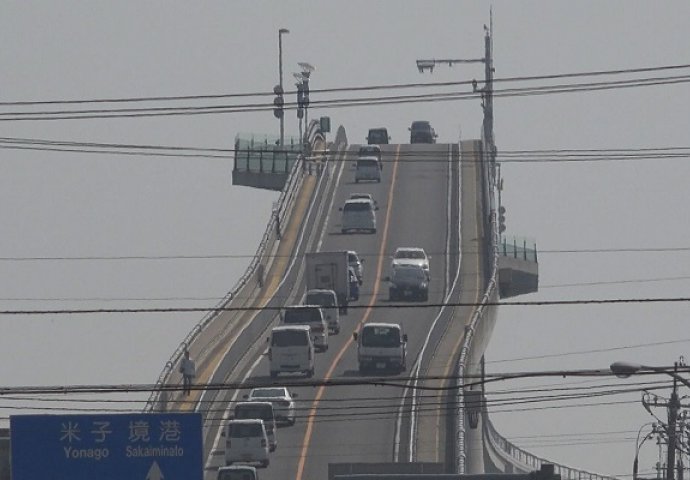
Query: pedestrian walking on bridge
{"type": "Point", "coordinates": [188, 371]}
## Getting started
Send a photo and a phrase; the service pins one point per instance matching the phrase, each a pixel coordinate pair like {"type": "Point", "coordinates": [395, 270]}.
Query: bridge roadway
{"type": "Point", "coordinates": [418, 206]}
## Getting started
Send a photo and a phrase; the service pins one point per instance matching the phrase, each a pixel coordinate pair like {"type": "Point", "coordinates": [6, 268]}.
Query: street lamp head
{"type": "Point", "coordinates": [306, 67]}
{"type": "Point", "coordinates": [426, 64]}
{"type": "Point", "coordinates": [283, 30]}
{"type": "Point", "coordinates": [625, 369]}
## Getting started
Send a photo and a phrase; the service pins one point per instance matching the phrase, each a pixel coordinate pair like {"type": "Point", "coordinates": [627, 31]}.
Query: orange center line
{"type": "Point", "coordinates": [329, 374]}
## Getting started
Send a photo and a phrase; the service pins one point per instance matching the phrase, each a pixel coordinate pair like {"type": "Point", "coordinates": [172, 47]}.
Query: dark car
{"type": "Point", "coordinates": [378, 136]}
{"type": "Point", "coordinates": [421, 132]}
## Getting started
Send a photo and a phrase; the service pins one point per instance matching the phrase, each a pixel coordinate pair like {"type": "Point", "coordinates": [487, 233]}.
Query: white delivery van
{"type": "Point", "coordinates": [381, 346]}
{"type": "Point", "coordinates": [367, 169]}
{"type": "Point", "coordinates": [291, 350]}
{"type": "Point", "coordinates": [310, 315]}
{"type": "Point", "coordinates": [328, 301]}
{"type": "Point", "coordinates": [262, 411]}
{"type": "Point", "coordinates": [246, 442]}
{"type": "Point", "coordinates": [358, 214]}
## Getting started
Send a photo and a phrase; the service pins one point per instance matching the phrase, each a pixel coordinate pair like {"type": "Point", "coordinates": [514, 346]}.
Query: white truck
{"type": "Point", "coordinates": [329, 270]}
{"type": "Point", "coordinates": [381, 346]}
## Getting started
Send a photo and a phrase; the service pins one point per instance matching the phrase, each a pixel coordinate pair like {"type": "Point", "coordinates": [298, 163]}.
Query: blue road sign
{"type": "Point", "coordinates": [107, 447]}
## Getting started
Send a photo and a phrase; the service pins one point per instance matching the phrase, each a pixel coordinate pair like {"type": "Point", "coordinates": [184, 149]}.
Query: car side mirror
{"type": "Point", "coordinates": [429, 257]}
{"type": "Point", "coordinates": [268, 339]}
{"type": "Point", "coordinates": [409, 129]}
{"type": "Point", "coordinates": [376, 207]}
{"type": "Point", "coordinates": [293, 395]}
{"type": "Point", "coordinates": [389, 137]}
{"type": "Point", "coordinates": [340, 209]}
{"type": "Point", "coordinates": [361, 260]}
{"type": "Point", "coordinates": [222, 434]}
{"type": "Point", "coordinates": [245, 395]}
{"type": "Point", "coordinates": [354, 336]}
{"type": "Point", "coordinates": [405, 337]}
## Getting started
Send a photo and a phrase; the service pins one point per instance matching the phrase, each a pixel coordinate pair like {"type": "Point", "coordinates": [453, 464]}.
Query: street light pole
{"type": "Point", "coordinates": [625, 369]}
{"type": "Point", "coordinates": [280, 79]}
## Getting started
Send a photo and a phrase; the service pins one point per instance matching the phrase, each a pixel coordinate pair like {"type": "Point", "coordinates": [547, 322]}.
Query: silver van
{"type": "Point", "coordinates": [262, 411]}
{"type": "Point", "coordinates": [367, 169]}
{"type": "Point", "coordinates": [291, 350]}
{"type": "Point", "coordinates": [358, 215]}
{"type": "Point", "coordinates": [328, 301]}
{"type": "Point", "coordinates": [310, 315]}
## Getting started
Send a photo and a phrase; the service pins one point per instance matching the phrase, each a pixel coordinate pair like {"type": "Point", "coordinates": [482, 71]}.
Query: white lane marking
{"type": "Point", "coordinates": [341, 168]}
{"type": "Point", "coordinates": [226, 415]}
{"type": "Point", "coordinates": [413, 416]}
{"type": "Point", "coordinates": [282, 281]}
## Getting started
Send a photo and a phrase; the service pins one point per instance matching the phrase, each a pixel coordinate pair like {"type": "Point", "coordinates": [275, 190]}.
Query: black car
{"type": "Point", "coordinates": [421, 132]}
{"type": "Point", "coordinates": [378, 136]}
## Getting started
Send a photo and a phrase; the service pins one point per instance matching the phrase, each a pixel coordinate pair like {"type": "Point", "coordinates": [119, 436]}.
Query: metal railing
{"type": "Point", "coordinates": [533, 462]}
{"type": "Point", "coordinates": [283, 208]}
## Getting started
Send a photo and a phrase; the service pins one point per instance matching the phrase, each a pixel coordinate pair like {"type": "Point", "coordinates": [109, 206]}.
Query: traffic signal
{"type": "Point", "coordinates": [303, 94]}
{"type": "Point", "coordinates": [501, 219]}
{"type": "Point", "coordinates": [278, 102]}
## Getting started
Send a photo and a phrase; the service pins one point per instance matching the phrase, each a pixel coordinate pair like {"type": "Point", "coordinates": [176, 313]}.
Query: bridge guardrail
{"type": "Point", "coordinates": [499, 442]}
{"type": "Point", "coordinates": [532, 461]}
{"type": "Point", "coordinates": [283, 208]}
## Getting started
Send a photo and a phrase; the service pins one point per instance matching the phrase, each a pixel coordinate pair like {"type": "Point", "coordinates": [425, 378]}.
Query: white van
{"type": "Point", "coordinates": [367, 169]}
{"type": "Point", "coordinates": [328, 301]}
{"type": "Point", "coordinates": [358, 214]}
{"type": "Point", "coordinates": [262, 411]}
{"type": "Point", "coordinates": [291, 350]}
{"type": "Point", "coordinates": [381, 346]}
{"type": "Point", "coordinates": [246, 442]}
{"type": "Point", "coordinates": [310, 315]}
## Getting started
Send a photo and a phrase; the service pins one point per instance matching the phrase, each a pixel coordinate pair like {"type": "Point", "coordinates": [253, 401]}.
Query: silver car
{"type": "Point", "coordinates": [281, 398]}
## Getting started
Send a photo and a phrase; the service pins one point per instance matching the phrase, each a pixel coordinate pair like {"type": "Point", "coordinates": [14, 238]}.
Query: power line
{"type": "Point", "coordinates": [603, 301]}
{"type": "Point", "coordinates": [335, 103]}
{"type": "Point", "coordinates": [347, 89]}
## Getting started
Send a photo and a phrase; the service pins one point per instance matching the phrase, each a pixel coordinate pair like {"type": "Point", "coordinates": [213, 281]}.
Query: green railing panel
{"type": "Point", "coordinates": [260, 153]}
{"type": "Point", "coordinates": [518, 247]}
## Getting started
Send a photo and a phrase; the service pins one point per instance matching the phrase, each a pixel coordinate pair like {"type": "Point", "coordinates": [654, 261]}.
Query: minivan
{"type": "Point", "coordinates": [367, 169]}
{"type": "Point", "coordinates": [262, 411]}
{"type": "Point", "coordinates": [358, 215]}
{"type": "Point", "coordinates": [328, 301]}
{"type": "Point", "coordinates": [237, 472]}
{"type": "Point", "coordinates": [291, 350]}
{"type": "Point", "coordinates": [378, 136]}
{"type": "Point", "coordinates": [310, 315]}
{"type": "Point", "coordinates": [246, 442]}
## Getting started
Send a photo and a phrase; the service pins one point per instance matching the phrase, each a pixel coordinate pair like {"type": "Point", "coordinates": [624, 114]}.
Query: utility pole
{"type": "Point", "coordinates": [673, 406]}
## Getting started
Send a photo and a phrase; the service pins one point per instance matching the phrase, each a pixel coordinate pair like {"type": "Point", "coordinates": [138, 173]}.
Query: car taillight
{"type": "Point", "coordinates": [263, 442]}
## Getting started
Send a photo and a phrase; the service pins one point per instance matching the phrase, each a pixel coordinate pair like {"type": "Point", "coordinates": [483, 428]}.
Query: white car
{"type": "Point", "coordinates": [237, 472]}
{"type": "Point", "coordinates": [281, 398]}
{"type": "Point", "coordinates": [411, 256]}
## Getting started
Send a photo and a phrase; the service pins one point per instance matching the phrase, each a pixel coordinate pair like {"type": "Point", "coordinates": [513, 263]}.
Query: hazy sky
{"type": "Point", "coordinates": [76, 205]}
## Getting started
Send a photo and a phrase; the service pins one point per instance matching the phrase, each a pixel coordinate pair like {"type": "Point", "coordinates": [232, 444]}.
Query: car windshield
{"type": "Point", "coordinates": [378, 135]}
{"type": "Point", "coordinates": [302, 316]}
{"type": "Point", "coordinates": [264, 412]}
{"type": "Point", "coordinates": [357, 207]}
{"type": "Point", "coordinates": [421, 125]}
{"type": "Point", "coordinates": [288, 338]}
{"type": "Point", "coordinates": [414, 254]}
{"type": "Point", "coordinates": [236, 475]}
{"type": "Point", "coordinates": [267, 393]}
{"type": "Point", "coordinates": [367, 163]}
{"type": "Point", "coordinates": [411, 273]}
{"type": "Point", "coordinates": [245, 430]}
{"type": "Point", "coordinates": [380, 337]}
{"type": "Point", "coordinates": [323, 299]}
